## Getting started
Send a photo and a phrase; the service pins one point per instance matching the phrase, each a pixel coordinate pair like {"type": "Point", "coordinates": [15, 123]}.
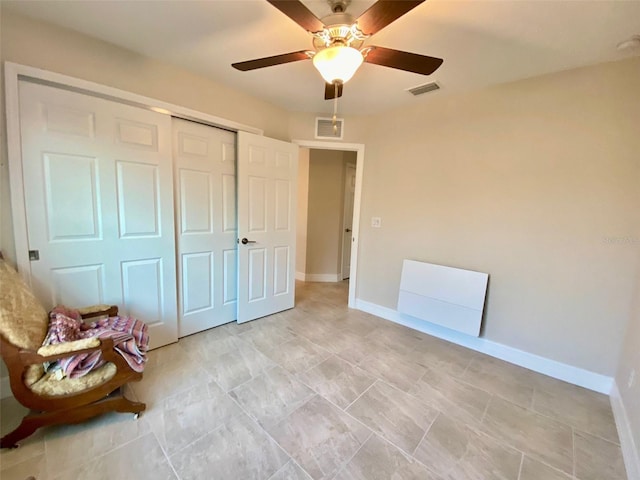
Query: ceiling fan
{"type": "Point", "coordinates": [338, 41]}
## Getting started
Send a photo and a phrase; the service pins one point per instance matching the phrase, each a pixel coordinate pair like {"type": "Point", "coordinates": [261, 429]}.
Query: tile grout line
{"type": "Point", "coordinates": [166, 455]}
{"type": "Point", "coordinates": [552, 418]}
{"type": "Point", "coordinates": [358, 397]}
{"type": "Point", "coordinates": [408, 454]}
{"type": "Point", "coordinates": [573, 451]}
{"type": "Point", "coordinates": [197, 439]}
{"type": "Point", "coordinates": [94, 458]}
{"type": "Point", "coordinates": [348, 461]}
{"type": "Point", "coordinates": [521, 464]}
{"type": "Point", "coordinates": [532, 402]}
{"type": "Point", "coordinates": [467, 367]}
{"type": "Point", "coordinates": [277, 365]}
{"type": "Point", "coordinates": [426, 432]}
{"type": "Point", "coordinates": [367, 426]}
{"type": "Point", "coordinates": [264, 430]}
{"type": "Point", "coordinates": [486, 409]}
{"type": "Point", "coordinates": [564, 423]}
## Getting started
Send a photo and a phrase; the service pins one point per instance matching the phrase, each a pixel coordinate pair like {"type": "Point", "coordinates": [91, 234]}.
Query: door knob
{"type": "Point", "coordinates": [347, 230]}
{"type": "Point", "coordinates": [245, 241]}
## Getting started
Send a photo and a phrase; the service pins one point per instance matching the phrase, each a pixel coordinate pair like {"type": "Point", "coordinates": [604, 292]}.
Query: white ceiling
{"type": "Point", "coordinates": [482, 42]}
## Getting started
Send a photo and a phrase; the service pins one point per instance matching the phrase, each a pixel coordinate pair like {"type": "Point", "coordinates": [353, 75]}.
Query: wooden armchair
{"type": "Point", "coordinates": [23, 327]}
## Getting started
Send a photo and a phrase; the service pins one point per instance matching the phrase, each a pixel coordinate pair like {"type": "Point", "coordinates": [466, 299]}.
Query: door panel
{"type": "Point", "coordinates": [198, 270]}
{"type": "Point", "coordinates": [99, 202]}
{"type": "Point", "coordinates": [65, 282]}
{"type": "Point", "coordinates": [267, 184]}
{"type": "Point", "coordinates": [196, 200]}
{"type": "Point", "coordinates": [138, 209]}
{"type": "Point", "coordinates": [347, 234]}
{"type": "Point", "coordinates": [144, 290]}
{"type": "Point", "coordinates": [257, 187]}
{"type": "Point", "coordinates": [71, 196]}
{"type": "Point", "coordinates": [204, 160]}
{"type": "Point", "coordinates": [281, 270]}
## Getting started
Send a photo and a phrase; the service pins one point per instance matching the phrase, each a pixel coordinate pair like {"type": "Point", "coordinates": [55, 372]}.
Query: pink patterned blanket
{"type": "Point", "coordinates": [129, 336]}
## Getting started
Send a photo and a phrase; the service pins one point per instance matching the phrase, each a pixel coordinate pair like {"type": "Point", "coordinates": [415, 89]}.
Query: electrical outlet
{"type": "Point", "coordinates": [376, 222]}
{"type": "Point", "coordinates": [632, 378]}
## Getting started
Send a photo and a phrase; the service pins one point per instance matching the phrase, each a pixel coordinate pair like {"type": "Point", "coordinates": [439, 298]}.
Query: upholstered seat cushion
{"type": "Point", "coordinates": [28, 329]}
{"type": "Point", "coordinates": [50, 386]}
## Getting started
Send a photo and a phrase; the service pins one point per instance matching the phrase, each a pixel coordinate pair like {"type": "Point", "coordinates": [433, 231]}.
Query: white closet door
{"type": "Point", "coordinates": [99, 202]}
{"type": "Point", "coordinates": [205, 173]}
{"type": "Point", "coordinates": [267, 193]}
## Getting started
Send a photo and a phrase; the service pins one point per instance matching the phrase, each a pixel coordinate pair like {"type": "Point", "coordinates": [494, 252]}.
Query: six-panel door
{"type": "Point", "coordinates": [267, 192]}
{"type": "Point", "coordinates": [205, 172]}
{"type": "Point", "coordinates": [98, 195]}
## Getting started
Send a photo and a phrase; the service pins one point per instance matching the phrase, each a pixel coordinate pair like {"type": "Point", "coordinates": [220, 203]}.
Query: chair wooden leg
{"type": "Point", "coordinates": [28, 425]}
{"type": "Point", "coordinates": [32, 421]}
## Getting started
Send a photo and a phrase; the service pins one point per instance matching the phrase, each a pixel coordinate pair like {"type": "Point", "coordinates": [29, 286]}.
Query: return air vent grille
{"type": "Point", "coordinates": [426, 88]}
{"type": "Point", "coordinates": [324, 128]}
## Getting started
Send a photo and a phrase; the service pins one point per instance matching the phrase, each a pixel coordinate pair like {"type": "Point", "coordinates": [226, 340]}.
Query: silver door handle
{"type": "Point", "coordinates": [245, 241]}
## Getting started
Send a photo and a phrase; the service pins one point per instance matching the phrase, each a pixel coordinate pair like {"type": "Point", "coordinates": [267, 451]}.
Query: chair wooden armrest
{"type": "Point", "coordinates": [30, 357]}
{"type": "Point", "coordinates": [112, 311]}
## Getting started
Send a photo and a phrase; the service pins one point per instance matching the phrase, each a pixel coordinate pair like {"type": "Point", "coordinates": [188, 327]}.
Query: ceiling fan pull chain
{"type": "Point", "coordinates": [334, 120]}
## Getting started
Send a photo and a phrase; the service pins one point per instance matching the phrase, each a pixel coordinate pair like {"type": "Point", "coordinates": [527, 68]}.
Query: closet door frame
{"type": "Point", "coordinates": [15, 72]}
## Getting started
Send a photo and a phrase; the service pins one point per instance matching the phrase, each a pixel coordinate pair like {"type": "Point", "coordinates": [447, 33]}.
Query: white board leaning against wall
{"type": "Point", "coordinates": [447, 296]}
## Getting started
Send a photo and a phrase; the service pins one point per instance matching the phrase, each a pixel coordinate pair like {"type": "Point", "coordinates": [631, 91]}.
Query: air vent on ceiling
{"type": "Point", "coordinates": [420, 89]}
{"type": "Point", "coordinates": [324, 128]}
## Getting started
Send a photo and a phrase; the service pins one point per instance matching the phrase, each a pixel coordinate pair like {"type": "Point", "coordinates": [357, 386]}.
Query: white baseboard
{"type": "Point", "coordinates": [562, 371]}
{"type": "Point", "coordinates": [5, 388]}
{"type": "Point", "coordinates": [318, 277]}
{"type": "Point", "coordinates": [627, 442]}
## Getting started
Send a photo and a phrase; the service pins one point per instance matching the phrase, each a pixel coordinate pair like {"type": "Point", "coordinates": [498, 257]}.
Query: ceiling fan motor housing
{"type": "Point", "coordinates": [338, 6]}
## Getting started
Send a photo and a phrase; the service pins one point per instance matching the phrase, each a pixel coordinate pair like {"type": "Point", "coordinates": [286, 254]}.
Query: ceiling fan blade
{"type": "Point", "coordinates": [382, 13]}
{"type": "Point", "coordinates": [300, 14]}
{"type": "Point", "coordinates": [330, 91]}
{"type": "Point", "coordinates": [410, 62]}
{"type": "Point", "coordinates": [271, 61]}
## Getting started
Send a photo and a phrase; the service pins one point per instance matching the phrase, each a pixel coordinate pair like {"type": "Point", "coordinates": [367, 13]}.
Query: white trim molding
{"type": "Point", "coordinates": [552, 368]}
{"type": "Point", "coordinates": [627, 443]}
{"type": "Point", "coordinates": [320, 277]}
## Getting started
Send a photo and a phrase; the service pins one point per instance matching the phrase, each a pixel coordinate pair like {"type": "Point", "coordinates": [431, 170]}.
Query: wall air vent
{"type": "Point", "coordinates": [426, 88]}
{"type": "Point", "coordinates": [324, 128]}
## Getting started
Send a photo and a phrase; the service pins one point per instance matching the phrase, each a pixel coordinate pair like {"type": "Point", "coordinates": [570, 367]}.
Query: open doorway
{"type": "Point", "coordinates": [328, 212]}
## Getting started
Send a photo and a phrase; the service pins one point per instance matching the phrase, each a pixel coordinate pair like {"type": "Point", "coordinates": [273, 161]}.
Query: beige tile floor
{"type": "Point", "coordinates": [324, 392]}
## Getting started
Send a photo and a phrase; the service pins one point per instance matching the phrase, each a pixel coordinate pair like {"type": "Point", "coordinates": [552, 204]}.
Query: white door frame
{"type": "Point", "coordinates": [359, 149]}
{"type": "Point", "coordinates": [15, 72]}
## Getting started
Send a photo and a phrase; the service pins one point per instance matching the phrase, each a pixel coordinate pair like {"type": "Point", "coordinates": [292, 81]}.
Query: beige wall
{"type": "Point", "coordinates": [324, 221]}
{"type": "Point", "coordinates": [630, 361]}
{"type": "Point", "coordinates": [525, 181]}
{"type": "Point", "coordinates": [301, 220]}
{"type": "Point", "coordinates": [30, 42]}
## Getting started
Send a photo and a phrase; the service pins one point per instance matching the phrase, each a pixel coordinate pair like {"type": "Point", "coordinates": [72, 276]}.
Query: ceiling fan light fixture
{"type": "Point", "coordinates": [338, 63]}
